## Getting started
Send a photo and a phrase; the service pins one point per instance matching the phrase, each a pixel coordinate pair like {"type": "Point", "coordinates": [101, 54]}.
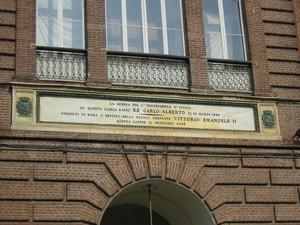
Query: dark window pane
{"type": "Point", "coordinates": [114, 37]}
{"type": "Point", "coordinates": [232, 17]}
{"type": "Point", "coordinates": [72, 34]}
{"type": "Point", "coordinates": [175, 42]}
{"type": "Point", "coordinates": [155, 41]}
{"type": "Point", "coordinates": [235, 47]}
{"type": "Point", "coordinates": [113, 11]}
{"type": "Point", "coordinates": [135, 39]}
{"type": "Point", "coordinates": [173, 14]}
{"type": "Point", "coordinates": [211, 15]}
{"type": "Point", "coordinates": [134, 14]}
{"type": "Point", "coordinates": [153, 13]}
{"type": "Point", "coordinates": [72, 9]}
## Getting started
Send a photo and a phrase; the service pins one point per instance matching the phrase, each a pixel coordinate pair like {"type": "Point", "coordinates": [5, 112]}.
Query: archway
{"type": "Point", "coordinates": [171, 203]}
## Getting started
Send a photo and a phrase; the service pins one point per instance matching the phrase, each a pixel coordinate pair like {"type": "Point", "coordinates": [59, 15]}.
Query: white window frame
{"type": "Point", "coordinates": [145, 27]}
{"type": "Point", "coordinates": [60, 22]}
{"type": "Point", "coordinates": [223, 29]}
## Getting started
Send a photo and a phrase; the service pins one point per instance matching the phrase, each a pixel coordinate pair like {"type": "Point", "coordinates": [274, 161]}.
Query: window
{"type": "Point", "coordinates": [145, 26]}
{"type": "Point", "coordinates": [60, 53]}
{"type": "Point", "coordinates": [225, 46]}
{"type": "Point", "coordinates": [224, 32]}
{"type": "Point", "coordinates": [60, 23]}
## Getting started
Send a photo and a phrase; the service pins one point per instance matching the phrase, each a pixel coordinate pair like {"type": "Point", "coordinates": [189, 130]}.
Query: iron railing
{"type": "Point", "coordinates": [146, 71]}
{"type": "Point", "coordinates": [230, 76]}
{"type": "Point", "coordinates": [60, 65]}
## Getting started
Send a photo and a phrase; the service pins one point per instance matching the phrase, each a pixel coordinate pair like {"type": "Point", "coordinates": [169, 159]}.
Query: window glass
{"type": "Point", "coordinates": [232, 17]}
{"type": "Point", "coordinates": [47, 33]}
{"type": "Point", "coordinates": [135, 39]}
{"type": "Point", "coordinates": [153, 13]}
{"type": "Point", "coordinates": [223, 29]}
{"type": "Point", "coordinates": [155, 41]}
{"type": "Point", "coordinates": [214, 45]}
{"type": "Point", "coordinates": [72, 35]}
{"type": "Point", "coordinates": [235, 47]}
{"type": "Point", "coordinates": [145, 26]}
{"type": "Point", "coordinates": [134, 16]}
{"type": "Point", "coordinates": [60, 23]}
{"type": "Point", "coordinates": [175, 37]}
{"type": "Point", "coordinates": [173, 17]}
{"type": "Point", "coordinates": [134, 28]}
{"type": "Point", "coordinates": [72, 9]}
{"type": "Point", "coordinates": [211, 16]}
{"type": "Point", "coordinates": [114, 37]}
{"type": "Point", "coordinates": [113, 11]}
{"type": "Point", "coordinates": [47, 8]}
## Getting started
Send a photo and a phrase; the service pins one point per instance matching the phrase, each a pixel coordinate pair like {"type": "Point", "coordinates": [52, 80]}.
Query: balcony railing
{"type": "Point", "coordinates": [145, 71]}
{"type": "Point", "coordinates": [60, 65]}
{"type": "Point", "coordinates": [230, 77]}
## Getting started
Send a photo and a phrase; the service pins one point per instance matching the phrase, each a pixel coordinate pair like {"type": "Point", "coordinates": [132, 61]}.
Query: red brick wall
{"type": "Point", "coordinates": [96, 43]}
{"type": "Point", "coordinates": [196, 45]}
{"type": "Point", "coordinates": [5, 107]}
{"type": "Point", "coordinates": [7, 40]}
{"type": "Point", "coordinates": [25, 40]}
{"type": "Point", "coordinates": [281, 28]}
{"type": "Point", "coordinates": [256, 185]}
{"type": "Point", "coordinates": [48, 177]}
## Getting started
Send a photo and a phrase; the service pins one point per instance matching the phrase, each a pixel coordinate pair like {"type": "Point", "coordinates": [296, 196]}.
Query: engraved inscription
{"type": "Point", "coordinates": [150, 115]}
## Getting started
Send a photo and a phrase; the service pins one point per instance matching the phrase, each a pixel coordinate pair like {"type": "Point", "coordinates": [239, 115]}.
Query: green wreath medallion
{"type": "Point", "coordinates": [24, 107]}
{"type": "Point", "coordinates": [268, 119]}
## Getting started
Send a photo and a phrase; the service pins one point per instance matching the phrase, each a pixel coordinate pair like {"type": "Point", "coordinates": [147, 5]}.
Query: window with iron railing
{"type": "Point", "coordinates": [151, 32]}
{"type": "Point", "coordinates": [60, 40]}
{"type": "Point", "coordinates": [226, 45]}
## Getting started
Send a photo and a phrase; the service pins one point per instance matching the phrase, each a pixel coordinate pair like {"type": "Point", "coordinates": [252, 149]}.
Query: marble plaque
{"type": "Point", "coordinates": [114, 111]}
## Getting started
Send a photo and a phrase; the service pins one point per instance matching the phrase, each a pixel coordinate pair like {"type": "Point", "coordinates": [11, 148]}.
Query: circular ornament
{"type": "Point", "coordinates": [24, 107]}
{"type": "Point", "coordinates": [268, 119]}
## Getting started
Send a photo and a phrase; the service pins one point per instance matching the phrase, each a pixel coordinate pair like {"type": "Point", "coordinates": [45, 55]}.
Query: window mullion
{"type": "Point", "coordinates": [145, 26]}
{"type": "Point", "coordinates": [164, 26]}
{"type": "Point", "coordinates": [182, 30]}
{"type": "Point", "coordinates": [83, 24]}
{"type": "Point", "coordinates": [242, 29]}
{"type": "Point", "coordinates": [223, 29]}
{"type": "Point", "coordinates": [60, 23]}
{"type": "Point", "coordinates": [124, 25]}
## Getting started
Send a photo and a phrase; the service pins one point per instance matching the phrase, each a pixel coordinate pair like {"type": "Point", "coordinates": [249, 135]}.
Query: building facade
{"type": "Point", "coordinates": [189, 108]}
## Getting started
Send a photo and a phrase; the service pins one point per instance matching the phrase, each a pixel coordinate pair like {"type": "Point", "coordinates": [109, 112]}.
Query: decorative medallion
{"type": "Point", "coordinates": [268, 119]}
{"type": "Point", "coordinates": [24, 107]}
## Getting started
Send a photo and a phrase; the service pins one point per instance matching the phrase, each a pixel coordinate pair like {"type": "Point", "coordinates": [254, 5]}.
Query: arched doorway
{"type": "Point", "coordinates": [171, 204]}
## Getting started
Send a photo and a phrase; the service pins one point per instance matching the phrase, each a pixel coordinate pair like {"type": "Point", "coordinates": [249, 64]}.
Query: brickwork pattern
{"type": "Point", "coordinates": [70, 178]}
{"type": "Point", "coordinates": [76, 187]}
{"type": "Point", "coordinates": [7, 40]}
{"type": "Point", "coordinates": [25, 40]}
{"type": "Point", "coordinates": [281, 22]}
{"type": "Point", "coordinates": [272, 30]}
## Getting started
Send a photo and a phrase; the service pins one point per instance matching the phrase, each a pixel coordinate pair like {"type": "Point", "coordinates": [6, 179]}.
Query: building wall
{"type": "Point", "coordinates": [70, 178]}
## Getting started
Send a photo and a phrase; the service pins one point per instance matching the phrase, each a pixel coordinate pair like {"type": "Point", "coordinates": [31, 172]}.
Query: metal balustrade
{"type": "Point", "coordinates": [230, 77]}
{"type": "Point", "coordinates": [60, 65]}
{"type": "Point", "coordinates": [146, 71]}
{"type": "Point", "coordinates": [143, 71]}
